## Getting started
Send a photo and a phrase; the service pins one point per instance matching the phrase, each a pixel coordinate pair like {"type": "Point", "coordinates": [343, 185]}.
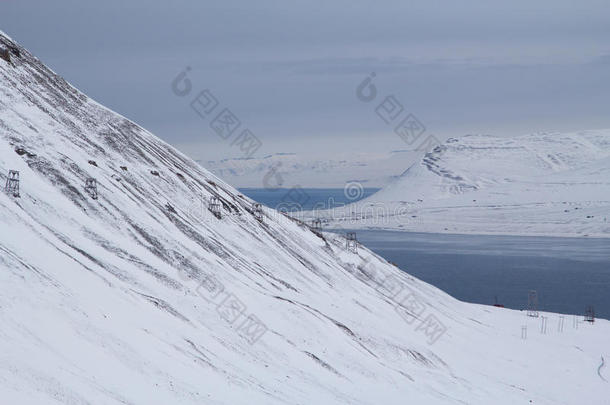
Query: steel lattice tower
{"type": "Point", "coordinates": [257, 210]}
{"type": "Point", "coordinates": [12, 183]}
{"type": "Point", "coordinates": [351, 243]}
{"type": "Point", "coordinates": [532, 303]}
{"type": "Point", "coordinates": [91, 187]}
{"type": "Point", "coordinates": [214, 207]}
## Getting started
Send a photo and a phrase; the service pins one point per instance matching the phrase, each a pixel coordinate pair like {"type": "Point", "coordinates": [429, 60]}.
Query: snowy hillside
{"type": "Point", "coordinates": [547, 184]}
{"type": "Point", "coordinates": [143, 296]}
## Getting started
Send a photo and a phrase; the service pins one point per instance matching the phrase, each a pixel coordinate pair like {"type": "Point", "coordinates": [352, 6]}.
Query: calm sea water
{"type": "Point", "coordinates": [567, 273]}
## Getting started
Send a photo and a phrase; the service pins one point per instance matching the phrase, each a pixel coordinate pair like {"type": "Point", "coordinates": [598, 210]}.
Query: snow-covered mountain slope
{"type": "Point", "coordinates": [142, 296]}
{"type": "Point", "coordinates": [551, 184]}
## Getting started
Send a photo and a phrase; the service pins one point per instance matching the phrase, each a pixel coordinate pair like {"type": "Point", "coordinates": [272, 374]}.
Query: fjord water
{"type": "Point", "coordinates": [567, 273]}
{"type": "Point", "coordinates": [306, 198]}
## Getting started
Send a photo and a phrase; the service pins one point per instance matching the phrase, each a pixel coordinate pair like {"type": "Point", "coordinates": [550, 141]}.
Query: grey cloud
{"type": "Point", "coordinates": [289, 69]}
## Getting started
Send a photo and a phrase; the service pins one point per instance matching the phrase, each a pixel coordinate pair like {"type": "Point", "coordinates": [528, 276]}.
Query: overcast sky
{"type": "Point", "coordinates": [289, 69]}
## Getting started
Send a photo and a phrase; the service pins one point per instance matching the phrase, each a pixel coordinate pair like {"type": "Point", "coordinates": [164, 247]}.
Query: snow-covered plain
{"type": "Point", "coordinates": [555, 184]}
{"type": "Point", "coordinates": [144, 297]}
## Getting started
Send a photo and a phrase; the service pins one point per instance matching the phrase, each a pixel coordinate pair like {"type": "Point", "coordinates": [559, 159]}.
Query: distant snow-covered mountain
{"type": "Point", "coordinates": [549, 183]}
{"type": "Point", "coordinates": [369, 169]}
{"type": "Point", "coordinates": [477, 162]}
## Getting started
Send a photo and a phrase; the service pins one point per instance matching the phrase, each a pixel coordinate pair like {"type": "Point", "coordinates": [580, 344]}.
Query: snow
{"type": "Point", "coordinates": [108, 301]}
{"type": "Point", "coordinates": [371, 169]}
{"type": "Point", "coordinates": [551, 184]}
